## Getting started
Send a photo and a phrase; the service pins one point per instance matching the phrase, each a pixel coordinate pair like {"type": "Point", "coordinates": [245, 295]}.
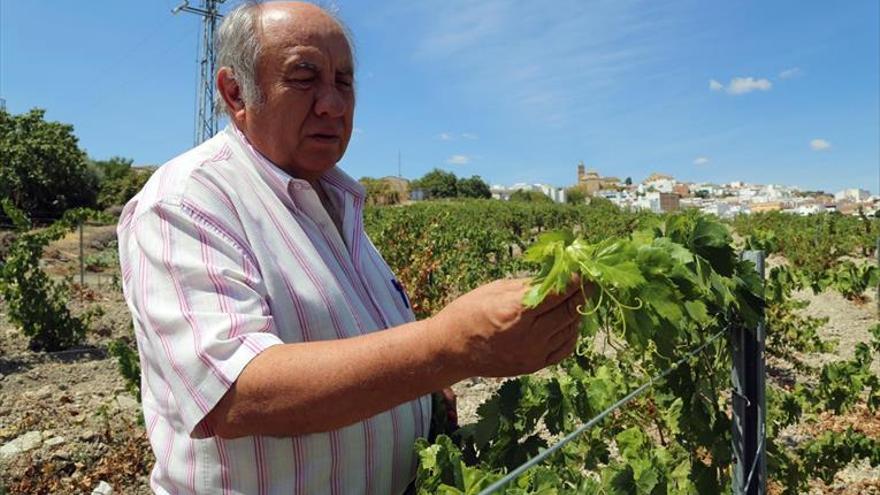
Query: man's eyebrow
{"type": "Point", "coordinates": [346, 71]}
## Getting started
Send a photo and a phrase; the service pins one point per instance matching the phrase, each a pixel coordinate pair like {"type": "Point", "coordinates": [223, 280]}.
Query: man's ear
{"type": "Point", "coordinates": [231, 92]}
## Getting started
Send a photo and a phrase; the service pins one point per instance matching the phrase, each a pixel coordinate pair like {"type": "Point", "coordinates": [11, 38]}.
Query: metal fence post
{"type": "Point", "coordinates": [82, 263]}
{"type": "Point", "coordinates": [749, 411]}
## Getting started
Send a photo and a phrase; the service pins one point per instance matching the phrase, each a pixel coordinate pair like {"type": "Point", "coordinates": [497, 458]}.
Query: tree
{"type": "Point", "coordinates": [118, 180]}
{"type": "Point", "coordinates": [530, 196]}
{"type": "Point", "coordinates": [119, 190]}
{"type": "Point", "coordinates": [42, 170]}
{"type": "Point", "coordinates": [475, 187]}
{"type": "Point", "coordinates": [598, 202]}
{"type": "Point", "coordinates": [115, 168]}
{"type": "Point", "coordinates": [628, 181]}
{"type": "Point", "coordinates": [438, 184]}
{"type": "Point", "coordinates": [575, 196]}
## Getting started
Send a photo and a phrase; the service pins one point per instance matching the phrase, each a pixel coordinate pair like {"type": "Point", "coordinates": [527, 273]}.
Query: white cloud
{"type": "Point", "coordinates": [451, 136]}
{"type": "Point", "coordinates": [790, 73]}
{"type": "Point", "coordinates": [458, 160]}
{"type": "Point", "coordinates": [701, 160]}
{"type": "Point", "coordinates": [742, 85]}
{"type": "Point", "coordinates": [820, 145]}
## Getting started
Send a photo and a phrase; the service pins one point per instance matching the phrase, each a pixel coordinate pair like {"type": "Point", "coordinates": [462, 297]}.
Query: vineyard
{"type": "Point", "coordinates": [665, 296]}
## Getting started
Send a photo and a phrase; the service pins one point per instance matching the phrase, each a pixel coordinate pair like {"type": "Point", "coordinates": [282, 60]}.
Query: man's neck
{"type": "Point", "coordinates": [312, 178]}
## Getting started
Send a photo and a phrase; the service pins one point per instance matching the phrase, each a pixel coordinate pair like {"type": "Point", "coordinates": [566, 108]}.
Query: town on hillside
{"type": "Point", "coordinates": [662, 193]}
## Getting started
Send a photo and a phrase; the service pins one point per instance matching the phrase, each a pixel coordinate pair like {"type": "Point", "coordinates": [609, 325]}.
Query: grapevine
{"type": "Point", "coordinates": [659, 291]}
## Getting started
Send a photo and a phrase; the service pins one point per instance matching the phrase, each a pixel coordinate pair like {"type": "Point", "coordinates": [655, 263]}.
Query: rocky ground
{"type": "Point", "coordinates": [67, 422]}
{"type": "Point", "coordinates": [69, 425]}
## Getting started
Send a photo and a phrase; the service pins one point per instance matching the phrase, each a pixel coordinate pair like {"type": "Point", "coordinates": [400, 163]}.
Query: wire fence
{"type": "Point", "coordinates": [93, 268]}
{"type": "Point", "coordinates": [501, 483]}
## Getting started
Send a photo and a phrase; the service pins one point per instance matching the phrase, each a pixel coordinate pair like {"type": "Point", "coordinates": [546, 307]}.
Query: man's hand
{"type": "Point", "coordinates": [493, 334]}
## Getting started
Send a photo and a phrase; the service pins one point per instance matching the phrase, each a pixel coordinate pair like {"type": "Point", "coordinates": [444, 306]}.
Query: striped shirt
{"type": "Point", "coordinates": [224, 256]}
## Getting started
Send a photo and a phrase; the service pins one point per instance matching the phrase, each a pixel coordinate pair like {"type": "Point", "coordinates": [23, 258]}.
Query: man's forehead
{"type": "Point", "coordinates": [304, 34]}
{"type": "Point", "coordinates": [311, 56]}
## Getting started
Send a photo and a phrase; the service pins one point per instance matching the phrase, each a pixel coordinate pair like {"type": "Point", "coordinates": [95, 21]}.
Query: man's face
{"type": "Point", "coordinates": [305, 73]}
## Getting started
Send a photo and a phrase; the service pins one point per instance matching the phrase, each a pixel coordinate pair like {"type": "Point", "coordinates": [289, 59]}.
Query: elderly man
{"type": "Point", "coordinates": [278, 352]}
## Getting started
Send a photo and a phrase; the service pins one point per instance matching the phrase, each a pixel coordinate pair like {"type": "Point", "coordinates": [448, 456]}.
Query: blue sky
{"type": "Point", "coordinates": [782, 91]}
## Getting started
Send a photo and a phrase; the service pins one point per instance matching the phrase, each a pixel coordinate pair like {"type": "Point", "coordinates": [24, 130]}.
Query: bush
{"type": "Point", "coordinates": [575, 196]}
{"type": "Point", "coordinates": [119, 181]}
{"type": "Point", "coordinates": [36, 304]}
{"type": "Point", "coordinates": [129, 365]}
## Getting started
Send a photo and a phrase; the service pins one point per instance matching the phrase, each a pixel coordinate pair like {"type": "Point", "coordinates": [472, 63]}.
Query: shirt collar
{"type": "Point", "coordinates": [334, 177]}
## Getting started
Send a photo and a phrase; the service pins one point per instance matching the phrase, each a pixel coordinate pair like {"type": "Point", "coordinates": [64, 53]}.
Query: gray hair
{"type": "Point", "coordinates": [237, 44]}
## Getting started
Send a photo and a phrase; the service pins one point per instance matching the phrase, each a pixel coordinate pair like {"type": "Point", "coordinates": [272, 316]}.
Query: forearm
{"type": "Point", "coordinates": [294, 389]}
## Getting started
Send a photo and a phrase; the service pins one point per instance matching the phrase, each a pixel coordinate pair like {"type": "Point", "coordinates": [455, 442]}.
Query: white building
{"type": "Point", "coordinates": [855, 195]}
{"type": "Point", "coordinates": [650, 201]}
{"type": "Point", "coordinates": [718, 209]}
{"type": "Point", "coordinates": [663, 184]}
{"type": "Point", "coordinates": [809, 209]}
{"type": "Point", "coordinates": [557, 194]}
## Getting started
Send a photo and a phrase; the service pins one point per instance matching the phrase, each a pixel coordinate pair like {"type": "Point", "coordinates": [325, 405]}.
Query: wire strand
{"type": "Point", "coordinates": [754, 464]}
{"type": "Point", "coordinates": [596, 419]}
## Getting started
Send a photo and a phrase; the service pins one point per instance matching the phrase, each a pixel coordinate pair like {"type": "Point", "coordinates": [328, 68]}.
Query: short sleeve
{"type": "Point", "coordinates": [200, 303]}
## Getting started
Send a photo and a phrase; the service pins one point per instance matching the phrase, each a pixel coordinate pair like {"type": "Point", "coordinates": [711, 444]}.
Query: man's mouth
{"type": "Point", "coordinates": [325, 137]}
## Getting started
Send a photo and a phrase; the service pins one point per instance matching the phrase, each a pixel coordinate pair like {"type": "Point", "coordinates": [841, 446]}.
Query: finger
{"type": "Point", "coordinates": [571, 318]}
{"type": "Point", "coordinates": [563, 335]}
{"type": "Point", "coordinates": [562, 352]}
{"type": "Point", "coordinates": [561, 316]}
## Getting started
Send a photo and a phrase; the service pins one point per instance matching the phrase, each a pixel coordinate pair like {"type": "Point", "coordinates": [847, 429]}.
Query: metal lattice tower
{"type": "Point", "coordinates": [206, 118]}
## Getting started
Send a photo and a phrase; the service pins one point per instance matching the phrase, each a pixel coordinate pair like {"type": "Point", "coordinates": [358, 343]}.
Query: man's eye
{"type": "Point", "coordinates": [302, 81]}
{"type": "Point", "coordinates": [344, 83]}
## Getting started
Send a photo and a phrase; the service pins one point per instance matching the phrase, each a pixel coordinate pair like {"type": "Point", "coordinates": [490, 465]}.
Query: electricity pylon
{"type": "Point", "coordinates": [206, 118]}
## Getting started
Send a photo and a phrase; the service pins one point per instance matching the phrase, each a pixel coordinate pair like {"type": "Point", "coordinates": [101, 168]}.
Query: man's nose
{"type": "Point", "coordinates": [330, 102]}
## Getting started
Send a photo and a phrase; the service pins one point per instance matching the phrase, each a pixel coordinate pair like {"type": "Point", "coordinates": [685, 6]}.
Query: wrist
{"type": "Point", "coordinates": [447, 349]}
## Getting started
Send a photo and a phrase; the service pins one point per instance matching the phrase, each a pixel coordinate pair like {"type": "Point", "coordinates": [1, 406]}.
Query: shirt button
{"type": "Point", "coordinates": [297, 186]}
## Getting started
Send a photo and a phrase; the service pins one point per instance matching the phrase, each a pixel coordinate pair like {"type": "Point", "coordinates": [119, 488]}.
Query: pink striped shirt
{"type": "Point", "coordinates": [222, 257]}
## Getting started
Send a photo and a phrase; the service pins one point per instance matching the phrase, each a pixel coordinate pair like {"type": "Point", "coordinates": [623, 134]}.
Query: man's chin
{"type": "Point", "coordinates": [315, 168]}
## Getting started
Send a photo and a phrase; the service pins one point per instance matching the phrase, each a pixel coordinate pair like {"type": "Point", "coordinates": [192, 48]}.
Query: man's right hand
{"type": "Point", "coordinates": [491, 333]}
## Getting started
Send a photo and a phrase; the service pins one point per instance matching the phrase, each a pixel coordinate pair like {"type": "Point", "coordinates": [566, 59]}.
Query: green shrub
{"type": "Point", "coordinates": [129, 365]}
{"type": "Point", "coordinates": [35, 303]}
